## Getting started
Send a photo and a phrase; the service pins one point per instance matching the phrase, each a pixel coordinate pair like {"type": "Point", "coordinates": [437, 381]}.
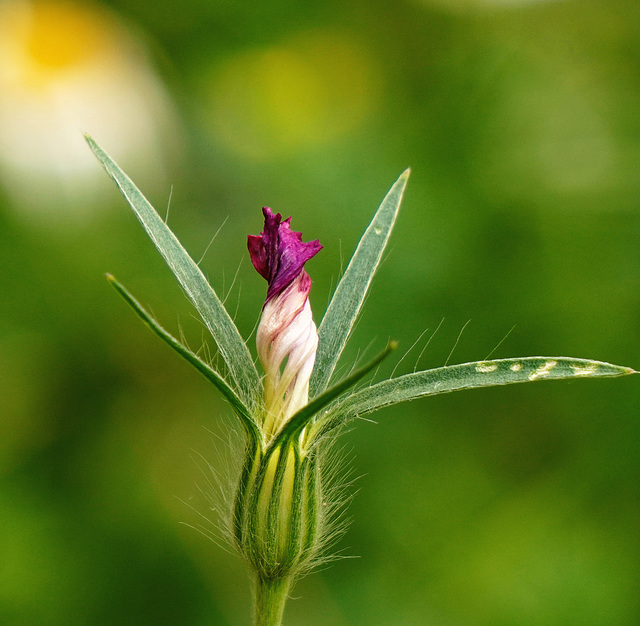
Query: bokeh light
{"type": "Point", "coordinates": [66, 68]}
{"type": "Point", "coordinates": [471, 6]}
{"type": "Point", "coordinates": [289, 98]}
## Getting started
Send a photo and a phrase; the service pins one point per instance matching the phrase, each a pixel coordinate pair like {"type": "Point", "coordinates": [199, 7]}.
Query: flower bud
{"type": "Point", "coordinates": [287, 338]}
{"type": "Point", "coordinates": [277, 520]}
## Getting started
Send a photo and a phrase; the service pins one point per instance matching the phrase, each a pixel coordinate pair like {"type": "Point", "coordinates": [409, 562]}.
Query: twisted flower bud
{"type": "Point", "coordinates": [287, 338]}
{"type": "Point", "coordinates": [278, 523]}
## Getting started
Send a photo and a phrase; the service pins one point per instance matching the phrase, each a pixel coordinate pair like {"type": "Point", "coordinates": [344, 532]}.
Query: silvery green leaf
{"type": "Point", "coordinates": [298, 421]}
{"type": "Point", "coordinates": [230, 344]}
{"type": "Point", "coordinates": [192, 358]}
{"type": "Point", "coordinates": [464, 376]}
{"type": "Point", "coordinates": [351, 290]}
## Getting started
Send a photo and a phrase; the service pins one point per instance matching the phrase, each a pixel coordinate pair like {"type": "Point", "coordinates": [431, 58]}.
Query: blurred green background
{"type": "Point", "coordinates": [521, 122]}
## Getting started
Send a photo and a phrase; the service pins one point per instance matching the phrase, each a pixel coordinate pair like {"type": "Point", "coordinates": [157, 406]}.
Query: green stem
{"type": "Point", "coordinates": [270, 598]}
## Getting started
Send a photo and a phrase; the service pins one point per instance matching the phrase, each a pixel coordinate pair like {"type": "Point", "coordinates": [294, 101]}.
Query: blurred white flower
{"type": "Point", "coordinates": [66, 69]}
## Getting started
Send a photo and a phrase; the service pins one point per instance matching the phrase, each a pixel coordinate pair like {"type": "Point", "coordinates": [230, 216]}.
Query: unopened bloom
{"type": "Point", "coordinates": [287, 338]}
{"type": "Point", "coordinates": [277, 520]}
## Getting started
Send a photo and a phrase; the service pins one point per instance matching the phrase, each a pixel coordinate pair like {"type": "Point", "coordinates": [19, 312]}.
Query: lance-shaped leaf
{"type": "Point", "coordinates": [295, 425]}
{"type": "Point", "coordinates": [464, 376]}
{"type": "Point", "coordinates": [351, 290]}
{"type": "Point", "coordinates": [205, 369]}
{"type": "Point", "coordinates": [230, 344]}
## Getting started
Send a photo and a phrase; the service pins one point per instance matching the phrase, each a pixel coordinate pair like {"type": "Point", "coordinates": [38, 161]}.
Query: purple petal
{"type": "Point", "coordinates": [278, 253]}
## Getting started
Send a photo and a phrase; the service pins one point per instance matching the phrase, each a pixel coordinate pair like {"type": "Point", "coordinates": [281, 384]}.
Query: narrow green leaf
{"type": "Point", "coordinates": [188, 355]}
{"type": "Point", "coordinates": [351, 291]}
{"type": "Point", "coordinates": [307, 413]}
{"type": "Point", "coordinates": [232, 348]}
{"type": "Point", "coordinates": [466, 376]}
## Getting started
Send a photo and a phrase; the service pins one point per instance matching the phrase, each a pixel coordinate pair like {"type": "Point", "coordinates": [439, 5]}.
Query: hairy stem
{"type": "Point", "coordinates": [270, 598]}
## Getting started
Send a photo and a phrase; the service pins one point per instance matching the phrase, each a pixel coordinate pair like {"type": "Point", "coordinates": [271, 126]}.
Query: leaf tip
{"type": "Point", "coordinates": [113, 281]}
{"type": "Point", "coordinates": [94, 147]}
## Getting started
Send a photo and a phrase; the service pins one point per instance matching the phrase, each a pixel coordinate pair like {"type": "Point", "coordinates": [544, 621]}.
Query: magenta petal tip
{"type": "Point", "coordinates": [278, 253]}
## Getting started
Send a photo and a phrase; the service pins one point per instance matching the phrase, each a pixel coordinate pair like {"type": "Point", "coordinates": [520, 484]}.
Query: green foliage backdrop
{"type": "Point", "coordinates": [506, 506]}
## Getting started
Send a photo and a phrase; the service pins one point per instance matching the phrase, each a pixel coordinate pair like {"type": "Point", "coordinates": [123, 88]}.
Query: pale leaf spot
{"type": "Point", "coordinates": [543, 370]}
{"type": "Point", "coordinates": [584, 370]}
{"type": "Point", "coordinates": [486, 367]}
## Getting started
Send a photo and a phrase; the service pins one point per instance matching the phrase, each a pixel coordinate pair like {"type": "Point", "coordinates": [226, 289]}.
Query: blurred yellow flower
{"type": "Point", "coordinates": [65, 69]}
{"type": "Point", "coordinates": [283, 99]}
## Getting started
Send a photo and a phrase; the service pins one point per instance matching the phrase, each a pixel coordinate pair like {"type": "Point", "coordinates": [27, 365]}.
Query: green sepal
{"type": "Point", "coordinates": [310, 541]}
{"type": "Point", "coordinates": [279, 534]}
{"type": "Point", "coordinates": [224, 332]}
{"type": "Point", "coordinates": [272, 556]}
{"type": "Point", "coordinates": [251, 459]}
{"type": "Point", "coordinates": [297, 508]}
{"type": "Point", "coordinates": [222, 385]}
{"type": "Point", "coordinates": [464, 376]}
{"type": "Point", "coordinates": [347, 300]}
